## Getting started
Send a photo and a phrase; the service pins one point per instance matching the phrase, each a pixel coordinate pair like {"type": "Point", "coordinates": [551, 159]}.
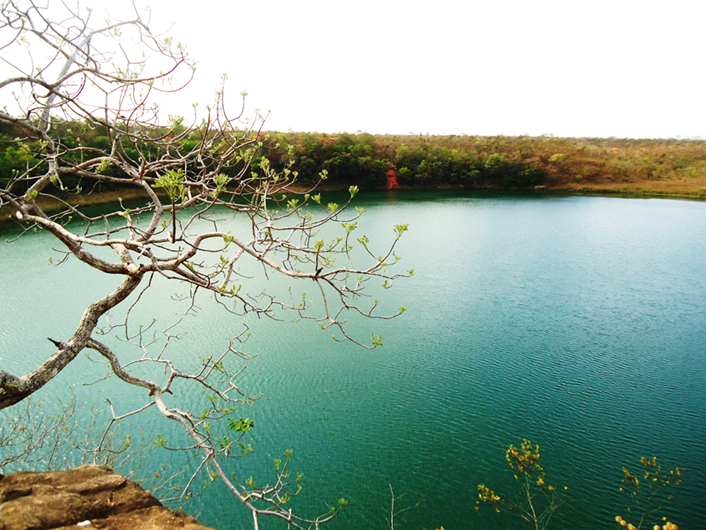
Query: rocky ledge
{"type": "Point", "coordinates": [81, 499]}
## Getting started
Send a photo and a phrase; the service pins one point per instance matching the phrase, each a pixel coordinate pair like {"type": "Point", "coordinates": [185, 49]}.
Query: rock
{"type": "Point", "coordinates": [392, 183]}
{"type": "Point", "coordinates": [85, 498]}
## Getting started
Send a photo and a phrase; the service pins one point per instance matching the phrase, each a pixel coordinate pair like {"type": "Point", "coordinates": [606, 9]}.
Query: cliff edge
{"type": "Point", "coordinates": [84, 498]}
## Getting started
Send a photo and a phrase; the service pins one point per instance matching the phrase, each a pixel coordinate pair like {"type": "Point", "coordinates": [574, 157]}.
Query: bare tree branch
{"type": "Point", "coordinates": [14, 389]}
{"type": "Point", "coordinates": [215, 214]}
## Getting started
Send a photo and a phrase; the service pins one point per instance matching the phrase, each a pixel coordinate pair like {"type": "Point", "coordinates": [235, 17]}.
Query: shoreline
{"type": "Point", "coordinates": [634, 190]}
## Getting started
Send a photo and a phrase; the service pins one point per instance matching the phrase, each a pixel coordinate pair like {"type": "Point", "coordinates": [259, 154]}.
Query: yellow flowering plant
{"type": "Point", "coordinates": [645, 489]}
{"type": "Point", "coordinates": [538, 501]}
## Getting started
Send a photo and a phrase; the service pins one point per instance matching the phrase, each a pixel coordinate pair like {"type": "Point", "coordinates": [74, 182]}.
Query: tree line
{"type": "Point", "coordinates": [418, 161]}
{"type": "Point", "coordinates": [344, 159]}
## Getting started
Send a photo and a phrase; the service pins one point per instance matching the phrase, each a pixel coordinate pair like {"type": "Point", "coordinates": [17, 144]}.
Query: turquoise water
{"type": "Point", "coordinates": [576, 322]}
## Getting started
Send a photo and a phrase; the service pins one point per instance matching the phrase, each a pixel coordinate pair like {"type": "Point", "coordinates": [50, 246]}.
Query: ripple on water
{"type": "Point", "coordinates": [575, 322]}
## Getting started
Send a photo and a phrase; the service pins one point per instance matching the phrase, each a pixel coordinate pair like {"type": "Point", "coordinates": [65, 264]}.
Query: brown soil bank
{"type": "Point", "coordinates": [673, 167]}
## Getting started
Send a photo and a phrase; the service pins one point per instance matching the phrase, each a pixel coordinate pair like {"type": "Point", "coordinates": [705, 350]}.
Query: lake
{"type": "Point", "coordinates": [576, 322]}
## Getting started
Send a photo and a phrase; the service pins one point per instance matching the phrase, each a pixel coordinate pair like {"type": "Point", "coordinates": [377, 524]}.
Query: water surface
{"type": "Point", "coordinates": [576, 322]}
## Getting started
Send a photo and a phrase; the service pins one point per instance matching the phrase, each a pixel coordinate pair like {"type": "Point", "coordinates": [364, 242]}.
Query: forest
{"type": "Point", "coordinates": [662, 167]}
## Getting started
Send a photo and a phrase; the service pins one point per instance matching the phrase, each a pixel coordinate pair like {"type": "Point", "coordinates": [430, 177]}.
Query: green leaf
{"type": "Point", "coordinates": [242, 425]}
{"type": "Point", "coordinates": [173, 183]}
{"type": "Point", "coordinates": [401, 229]}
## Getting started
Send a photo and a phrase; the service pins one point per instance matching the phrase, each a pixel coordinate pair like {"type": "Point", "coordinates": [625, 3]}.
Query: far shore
{"type": "Point", "coordinates": [693, 189]}
{"type": "Point", "coordinates": [642, 168]}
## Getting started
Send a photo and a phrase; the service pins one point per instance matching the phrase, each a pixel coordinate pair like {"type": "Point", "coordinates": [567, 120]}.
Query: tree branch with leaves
{"type": "Point", "coordinates": [106, 79]}
{"type": "Point", "coordinates": [646, 490]}
{"type": "Point", "coordinates": [538, 500]}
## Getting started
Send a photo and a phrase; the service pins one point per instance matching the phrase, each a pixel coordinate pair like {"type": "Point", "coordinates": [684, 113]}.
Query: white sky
{"type": "Point", "coordinates": [624, 68]}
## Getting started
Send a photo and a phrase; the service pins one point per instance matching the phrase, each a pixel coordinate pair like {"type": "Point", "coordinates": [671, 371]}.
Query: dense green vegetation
{"type": "Point", "coordinates": [360, 159]}
{"type": "Point", "coordinates": [363, 159]}
{"type": "Point", "coordinates": [673, 166]}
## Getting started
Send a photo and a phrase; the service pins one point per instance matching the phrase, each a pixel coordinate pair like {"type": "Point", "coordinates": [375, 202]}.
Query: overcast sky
{"type": "Point", "coordinates": [619, 68]}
